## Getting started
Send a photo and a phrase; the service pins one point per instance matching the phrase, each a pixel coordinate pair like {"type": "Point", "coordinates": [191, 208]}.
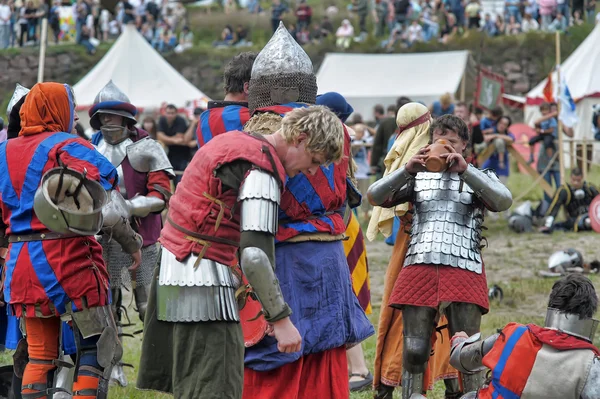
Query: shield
{"type": "Point", "coordinates": [594, 214]}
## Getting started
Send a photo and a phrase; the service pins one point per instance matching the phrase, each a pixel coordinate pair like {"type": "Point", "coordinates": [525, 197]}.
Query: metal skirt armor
{"type": "Point", "coordinates": [446, 228]}
{"type": "Point", "coordinates": [195, 290]}
{"type": "Point", "coordinates": [118, 261]}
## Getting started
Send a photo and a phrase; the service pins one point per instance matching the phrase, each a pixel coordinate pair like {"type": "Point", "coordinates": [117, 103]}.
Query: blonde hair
{"type": "Point", "coordinates": [446, 99]}
{"type": "Point", "coordinates": [323, 128]}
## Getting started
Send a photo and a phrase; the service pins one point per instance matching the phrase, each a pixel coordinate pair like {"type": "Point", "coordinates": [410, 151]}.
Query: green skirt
{"type": "Point", "coordinates": [191, 360]}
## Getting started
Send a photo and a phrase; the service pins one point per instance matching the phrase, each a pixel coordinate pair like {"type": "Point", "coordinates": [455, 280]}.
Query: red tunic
{"type": "Point", "coordinates": [200, 205]}
{"type": "Point", "coordinates": [43, 276]}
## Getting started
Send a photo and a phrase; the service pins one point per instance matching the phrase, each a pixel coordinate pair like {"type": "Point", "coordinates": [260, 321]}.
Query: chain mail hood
{"type": "Point", "coordinates": [282, 74]}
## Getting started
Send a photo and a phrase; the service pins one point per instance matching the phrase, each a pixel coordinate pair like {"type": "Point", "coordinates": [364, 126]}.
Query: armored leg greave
{"type": "Point", "coordinates": [141, 293]}
{"type": "Point", "coordinates": [466, 317]}
{"type": "Point", "coordinates": [419, 324]}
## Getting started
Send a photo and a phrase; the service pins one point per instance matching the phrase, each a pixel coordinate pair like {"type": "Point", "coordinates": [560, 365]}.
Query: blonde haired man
{"type": "Point", "coordinates": [227, 200]}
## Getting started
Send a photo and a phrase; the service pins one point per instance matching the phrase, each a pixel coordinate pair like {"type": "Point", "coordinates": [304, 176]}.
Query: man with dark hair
{"type": "Point", "coordinates": [523, 359]}
{"type": "Point", "coordinates": [386, 128]}
{"type": "Point", "coordinates": [232, 113]}
{"type": "Point", "coordinates": [576, 198]}
{"type": "Point", "coordinates": [171, 133]}
{"type": "Point", "coordinates": [443, 269]}
{"type": "Point", "coordinates": [378, 113]}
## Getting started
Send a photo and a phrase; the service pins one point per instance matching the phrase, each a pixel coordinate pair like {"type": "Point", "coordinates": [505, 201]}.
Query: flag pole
{"type": "Point", "coordinates": [561, 155]}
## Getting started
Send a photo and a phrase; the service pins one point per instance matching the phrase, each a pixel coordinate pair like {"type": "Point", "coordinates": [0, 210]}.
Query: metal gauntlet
{"type": "Point", "coordinates": [391, 190]}
{"type": "Point", "coordinates": [116, 223]}
{"type": "Point", "coordinates": [141, 206]}
{"type": "Point", "coordinates": [467, 356]}
{"type": "Point", "coordinates": [488, 188]}
{"type": "Point", "coordinates": [259, 196]}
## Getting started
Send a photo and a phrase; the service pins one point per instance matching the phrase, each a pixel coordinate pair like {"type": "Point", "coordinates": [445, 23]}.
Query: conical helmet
{"type": "Point", "coordinates": [19, 93]}
{"type": "Point", "coordinates": [111, 100]}
{"type": "Point", "coordinates": [282, 73]}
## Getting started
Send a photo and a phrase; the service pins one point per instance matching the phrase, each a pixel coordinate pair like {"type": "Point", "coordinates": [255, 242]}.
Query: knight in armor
{"type": "Point", "coordinates": [443, 269]}
{"type": "Point", "coordinates": [311, 263]}
{"type": "Point", "coordinates": [414, 122]}
{"type": "Point", "coordinates": [523, 359]}
{"type": "Point", "coordinates": [144, 181]}
{"type": "Point", "coordinates": [576, 198]}
{"type": "Point", "coordinates": [232, 113]}
{"type": "Point", "coordinates": [226, 203]}
{"type": "Point", "coordinates": [53, 201]}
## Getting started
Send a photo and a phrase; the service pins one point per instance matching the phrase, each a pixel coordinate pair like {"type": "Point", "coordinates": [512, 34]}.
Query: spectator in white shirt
{"type": "Point", "coordinates": [415, 32]}
{"type": "Point", "coordinates": [529, 24]}
{"type": "Point", "coordinates": [344, 34]}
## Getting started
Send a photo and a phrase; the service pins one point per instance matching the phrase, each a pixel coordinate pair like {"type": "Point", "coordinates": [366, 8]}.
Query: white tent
{"type": "Point", "coordinates": [141, 73]}
{"type": "Point", "coordinates": [582, 74]}
{"type": "Point", "coordinates": [369, 79]}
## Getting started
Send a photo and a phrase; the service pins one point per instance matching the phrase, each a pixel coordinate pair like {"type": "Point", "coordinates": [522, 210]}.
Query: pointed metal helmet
{"type": "Point", "coordinates": [282, 73]}
{"type": "Point", "coordinates": [111, 100]}
{"type": "Point", "coordinates": [20, 91]}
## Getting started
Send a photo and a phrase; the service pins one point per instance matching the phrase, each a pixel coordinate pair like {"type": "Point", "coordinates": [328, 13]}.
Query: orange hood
{"type": "Point", "coordinates": [48, 107]}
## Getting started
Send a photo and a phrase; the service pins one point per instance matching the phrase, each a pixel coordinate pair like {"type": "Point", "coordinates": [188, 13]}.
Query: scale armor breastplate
{"type": "Point", "coordinates": [446, 226]}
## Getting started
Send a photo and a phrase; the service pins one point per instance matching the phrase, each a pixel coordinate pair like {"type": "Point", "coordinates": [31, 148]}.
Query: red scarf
{"type": "Point", "coordinates": [560, 340]}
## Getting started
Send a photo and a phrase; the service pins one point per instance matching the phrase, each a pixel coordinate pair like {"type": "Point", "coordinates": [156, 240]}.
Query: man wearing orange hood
{"type": "Point", "coordinates": [54, 268]}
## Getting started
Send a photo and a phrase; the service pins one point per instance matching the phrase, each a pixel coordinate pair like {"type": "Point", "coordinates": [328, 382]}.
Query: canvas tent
{"type": "Point", "coordinates": [140, 72]}
{"type": "Point", "coordinates": [582, 75]}
{"type": "Point", "coordinates": [369, 79]}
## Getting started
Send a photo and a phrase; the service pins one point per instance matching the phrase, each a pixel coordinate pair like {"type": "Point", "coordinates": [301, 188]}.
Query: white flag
{"type": "Point", "coordinates": [568, 110]}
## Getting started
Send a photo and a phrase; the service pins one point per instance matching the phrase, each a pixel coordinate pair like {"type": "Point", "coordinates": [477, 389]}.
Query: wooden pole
{"type": "Point", "coordinates": [43, 41]}
{"type": "Point", "coordinates": [572, 153]}
{"type": "Point", "coordinates": [585, 159]}
{"type": "Point", "coordinates": [561, 155]}
{"type": "Point", "coordinates": [463, 85]}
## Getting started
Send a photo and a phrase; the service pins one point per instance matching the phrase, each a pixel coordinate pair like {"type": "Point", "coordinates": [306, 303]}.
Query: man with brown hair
{"type": "Point", "coordinates": [232, 113]}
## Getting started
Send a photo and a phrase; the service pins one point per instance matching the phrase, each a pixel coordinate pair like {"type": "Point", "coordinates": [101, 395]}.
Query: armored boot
{"type": "Point", "coordinates": [452, 389]}
{"type": "Point", "coordinates": [384, 392]}
{"type": "Point", "coordinates": [141, 293]}
{"type": "Point", "coordinates": [117, 374]}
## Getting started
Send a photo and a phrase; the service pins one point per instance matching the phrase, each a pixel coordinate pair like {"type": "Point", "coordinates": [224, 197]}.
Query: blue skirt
{"type": "Point", "coordinates": [315, 281]}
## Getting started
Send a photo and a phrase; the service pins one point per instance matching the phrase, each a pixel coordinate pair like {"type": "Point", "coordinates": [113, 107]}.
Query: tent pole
{"type": "Point", "coordinates": [463, 85]}
{"type": "Point", "coordinates": [43, 42]}
{"type": "Point", "coordinates": [561, 155]}
{"type": "Point", "coordinates": [585, 159]}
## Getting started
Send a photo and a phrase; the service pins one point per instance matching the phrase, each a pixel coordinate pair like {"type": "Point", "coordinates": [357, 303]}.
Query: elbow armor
{"type": "Point", "coordinates": [488, 188]}
{"type": "Point", "coordinates": [392, 189]}
{"type": "Point", "coordinates": [116, 223]}
{"type": "Point", "coordinates": [467, 356]}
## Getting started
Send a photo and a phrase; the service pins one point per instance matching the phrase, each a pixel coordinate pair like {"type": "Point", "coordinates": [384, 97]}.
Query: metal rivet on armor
{"type": "Point", "coordinates": [42, 236]}
{"type": "Point", "coordinates": [54, 217]}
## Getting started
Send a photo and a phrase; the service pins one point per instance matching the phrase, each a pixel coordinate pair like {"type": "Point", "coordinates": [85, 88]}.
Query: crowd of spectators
{"type": "Point", "coordinates": [89, 23]}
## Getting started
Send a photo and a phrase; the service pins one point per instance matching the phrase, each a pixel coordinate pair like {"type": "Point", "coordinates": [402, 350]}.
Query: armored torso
{"type": "Point", "coordinates": [446, 226]}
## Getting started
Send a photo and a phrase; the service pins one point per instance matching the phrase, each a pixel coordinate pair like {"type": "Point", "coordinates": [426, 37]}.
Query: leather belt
{"type": "Point", "coordinates": [201, 236]}
{"type": "Point", "coordinates": [40, 237]}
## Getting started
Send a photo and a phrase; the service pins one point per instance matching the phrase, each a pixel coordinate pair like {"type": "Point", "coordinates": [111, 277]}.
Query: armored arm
{"type": "Point", "coordinates": [142, 205]}
{"type": "Point", "coordinates": [259, 196]}
{"type": "Point", "coordinates": [392, 189]}
{"type": "Point", "coordinates": [488, 188]}
{"type": "Point", "coordinates": [147, 155]}
{"type": "Point", "coordinates": [116, 223]}
{"type": "Point", "coordinates": [467, 354]}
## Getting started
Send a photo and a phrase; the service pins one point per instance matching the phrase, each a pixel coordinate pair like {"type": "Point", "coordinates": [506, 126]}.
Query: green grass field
{"type": "Point", "coordinates": [512, 261]}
